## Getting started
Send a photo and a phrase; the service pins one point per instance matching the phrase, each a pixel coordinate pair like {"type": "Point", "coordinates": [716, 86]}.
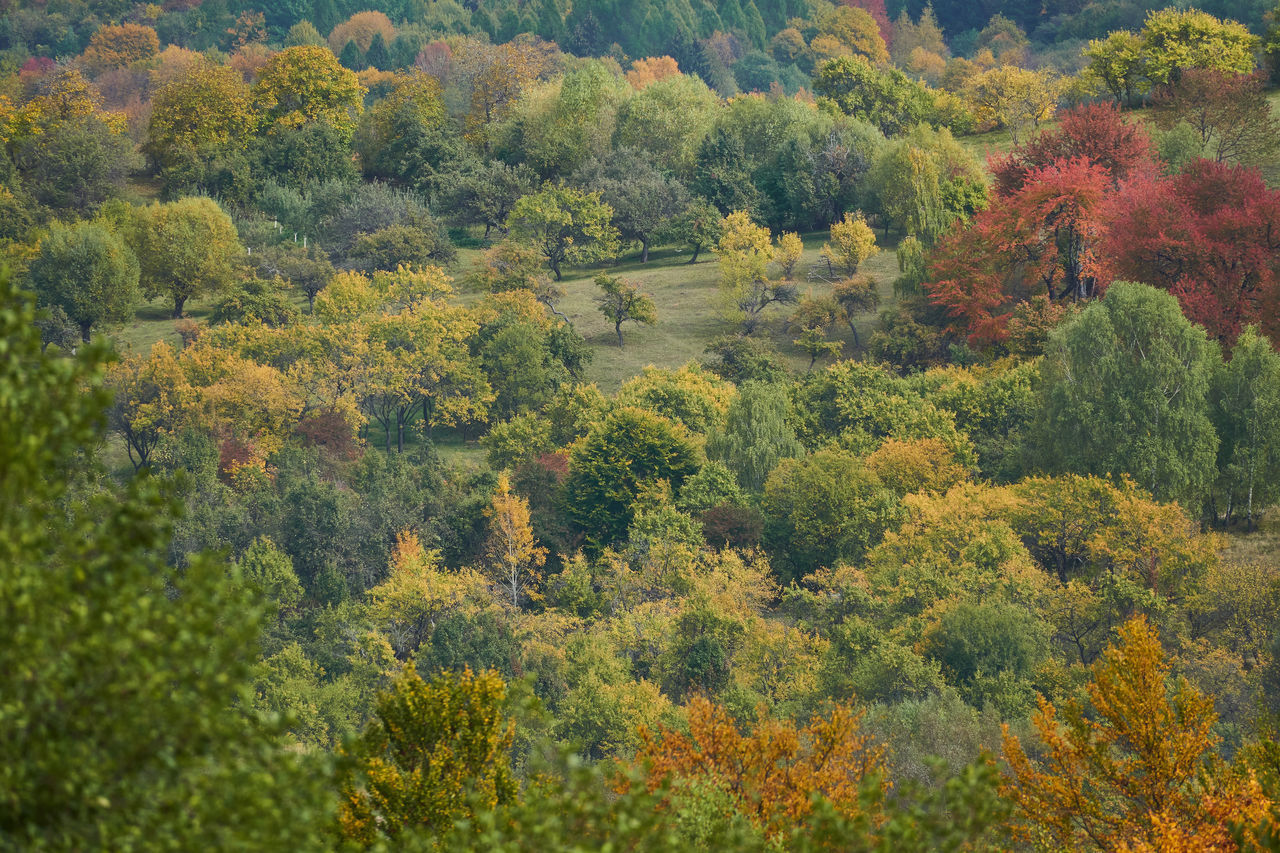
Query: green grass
{"type": "Point", "coordinates": [689, 314]}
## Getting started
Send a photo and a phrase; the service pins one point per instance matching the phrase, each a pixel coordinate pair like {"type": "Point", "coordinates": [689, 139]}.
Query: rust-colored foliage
{"type": "Point", "coordinates": [1133, 771]}
{"type": "Point", "coordinates": [772, 772]}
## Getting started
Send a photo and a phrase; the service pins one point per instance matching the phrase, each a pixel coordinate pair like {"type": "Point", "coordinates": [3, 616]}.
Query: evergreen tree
{"type": "Point", "coordinates": [377, 55]}
{"type": "Point", "coordinates": [351, 56]}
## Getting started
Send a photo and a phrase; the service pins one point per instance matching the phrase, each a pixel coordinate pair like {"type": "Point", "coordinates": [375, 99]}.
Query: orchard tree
{"type": "Point", "coordinates": [1174, 40]}
{"type": "Point", "coordinates": [567, 225]}
{"type": "Point", "coordinates": [621, 301]}
{"type": "Point", "coordinates": [700, 226]}
{"type": "Point", "coordinates": [852, 242]}
{"type": "Point", "coordinates": [643, 198]}
{"type": "Point", "coordinates": [1229, 113]}
{"type": "Point", "coordinates": [185, 249]}
{"type": "Point", "coordinates": [89, 272]}
{"type": "Point", "coordinates": [485, 193]}
{"type": "Point", "coordinates": [1125, 392]}
{"type": "Point", "coordinates": [1116, 63]}
{"type": "Point", "coordinates": [1014, 98]}
{"type": "Point", "coordinates": [745, 250]}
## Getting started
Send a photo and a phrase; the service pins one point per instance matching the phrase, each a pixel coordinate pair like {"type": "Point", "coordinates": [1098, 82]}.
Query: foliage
{"type": "Point", "coordinates": [852, 242]}
{"type": "Point", "coordinates": [87, 271]}
{"type": "Point", "coordinates": [301, 85]}
{"type": "Point", "coordinates": [567, 225]}
{"type": "Point", "coordinates": [621, 301]}
{"type": "Point", "coordinates": [771, 773]}
{"type": "Point", "coordinates": [152, 655]}
{"type": "Point", "coordinates": [434, 753]}
{"type": "Point", "coordinates": [1131, 772]}
{"type": "Point", "coordinates": [185, 249]}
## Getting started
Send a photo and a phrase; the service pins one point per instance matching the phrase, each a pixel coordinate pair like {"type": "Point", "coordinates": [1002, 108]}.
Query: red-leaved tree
{"type": "Point", "coordinates": [1210, 236]}
{"type": "Point", "coordinates": [1040, 240]}
{"type": "Point", "coordinates": [1096, 132]}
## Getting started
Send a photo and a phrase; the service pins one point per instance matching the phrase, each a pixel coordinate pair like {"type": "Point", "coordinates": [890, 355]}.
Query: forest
{"type": "Point", "coordinates": [508, 425]}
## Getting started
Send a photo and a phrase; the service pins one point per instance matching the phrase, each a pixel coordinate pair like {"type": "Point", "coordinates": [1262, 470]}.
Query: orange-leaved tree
{"type": "Point", "coordinates": [771, 773]}
{"type": "Point", "coordinates": [1135, 770]}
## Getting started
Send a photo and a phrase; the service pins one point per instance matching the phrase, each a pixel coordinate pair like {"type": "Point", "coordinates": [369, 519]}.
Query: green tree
{"type": "Point", "coordinates": [823, 510]}
{"type": "Point", "coordinates": [699, 226]}
{"type": "Point", "coordinates": [1174, 39]}
{"type": "Point", "coordinates": [1125, 387]}
{"type": "Point", "coordinates": [621, 301]}
{"type": "Point", "coordinates": [757, 434]}
{"type": "Point", "coordinates": [203, 107]}
{"type": "Point", "coordinates": [1245, 398]}
{"type": "Point", "coordinates": [121, 675]}
{"type": "Point", "coordinates": [567, 225]}
{"type": "Point", "coordinates": [86, 270]}
{"type": "Point", "coordinates": [885, 97]}
{"type": "Point", "coordinates": [628, 450]}
{"type": "Point", "coordinates": [185, 249]}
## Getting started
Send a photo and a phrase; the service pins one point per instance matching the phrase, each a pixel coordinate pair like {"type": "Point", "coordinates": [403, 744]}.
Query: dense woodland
{"type": "Point", "coordinates": [672, 424]}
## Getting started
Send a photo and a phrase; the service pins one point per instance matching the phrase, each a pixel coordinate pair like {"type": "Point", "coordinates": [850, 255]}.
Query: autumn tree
{"type": "Point", "coordinates": [151, 399]}
{"type": "Point", "coordinates": [304, 85]}
{"type": "Point", "coordinates": [773, 772]}
{"type": "Point", "coordinates": [89, 272]}
{"type": "Point", "coordinates": [1229, 113]}
{"type": "Point", "coordinates": [745, 250]}
{"type": "Point", "coordinates": [1207, 235]}
{"type": "Point", "coordinates": [1014, 98]}
{"type": "Point", "coordinates": [1174, 40]}
{"type": "Point", "coordinates": [185, 249]}
{"type": "Point", "coordinates": [855, 296]}
{"type": "Point", "coordinates": [567, 225]}
{"type": "Point", "coordinates": [434, 751]}
{"type": "Point", "coordinates": [852, 242]}
{"type": "Point", "coordinates": [621, 301]}
{"type": "Point", "coordinates": [1132, 769]}
{"type": "Point", "coordinates": [1116, 64]}
{"type": "Point", "coordinates": [513, 558]}
{"type": "Point", "coordinates": [361, 28]}
{"type": "Point", "coordinates": [113, 47]}
{"type": "Point", "coordinates": [204, 105]}
{"type": "Point", "coordinates": [650, 70]}
{"type": "Point", "coordinates": [1125, 392]}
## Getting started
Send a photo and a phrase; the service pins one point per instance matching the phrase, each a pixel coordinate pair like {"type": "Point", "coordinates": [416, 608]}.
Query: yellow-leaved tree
{"type": "Point", "coordinates": [852, 242]}
{"type": "Point", "coordinates": [512, 556]}
{"type": "Point", "coordinates": [1135, 770]}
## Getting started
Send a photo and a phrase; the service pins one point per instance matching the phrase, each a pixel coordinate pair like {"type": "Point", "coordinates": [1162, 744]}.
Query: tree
{"type": "Point", "coordinates": [669, 119]}
{"type": "Point", "coordinates": [772, 774]}
{"type": "Point", "coordinates": [86, 270]}
{"type": "Point", "coordinates": [855, 296]}
{"type": "Point", "coordinates": [485, 194]}
{"type": "Point", "coordinates": [1014, 98]}
{"type": "Point", "coordinates": [607, 469]}
{"type": "Point", "coordinates": [1116, 63]}
{"type": "Point", "coordinates": [823, 510]}
{"type": "Point", "coordinates": [1245, 396]}
{"type": "Point", "coordinates": [1229, 113]}
{"type": "Point", "coordinates": [1125, 392]}
{"type": "Point", "coordinates": [305, 85]}
{"type": "Point", "coordinates": [567, 225]}
{"type": "Point", "coordinates": [120, 670]}
{"type": "Point", "coordinates": [1208, 235]}
{"type": "Point", "coordinates": [700, 226]}
{"type": "Point", "coordinates": [112, 47]}
{"type": "Point", "coordinates": [203, 105]}
{"type": "Point", "coordinates": [756, 435]}
{"type": "Point", "coordinates": [745, 250]}
{"type": "Point", "coordinates": [722, 174]}
{"type": "Point", "coordinates": [185, 249]}
{"type": "Point", "coordinates": [1135, 768]}
{"type": "Point", "coordinates": [362, 28]}
{"type": "Point", "coordinates": [887, 98]}
{"type": "Point", "coordinates": [1096, 132]}
{"type": "Point", "coordinates": [433, 753]}
{"type": "Point", "coordinates": [396, 129]}
{"type": "Point", "coordinates": [1042, 239]}
{"type": "Point", "coordinates": [643, 198]}
{"type": "Point", "coordinates": [787, 254]}
{"type": "Point", "coordinates": [813, 318]}
{"type": "Point", "coordinates": [513, 558]}
{"type": "Point", "coordinates": [76, 163]}
{"type": "Point", "coordinates": [621, 301]}
{"type": "Point", "coordinates": [852, 242]}
{"type": "Point", "coordinates": [1174, 40]}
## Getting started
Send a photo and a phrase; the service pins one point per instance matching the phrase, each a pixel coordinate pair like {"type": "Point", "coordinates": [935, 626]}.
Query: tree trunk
{"type": "Point", "coordinates": [697, 247]}
{"type": "Point", "coordinates": [644, 251]}
{"type": "Point", "coordinates": [84, 331]}
{"type": "Point", "coordinates": [555, 268]}
{"type": "Point", "coordinates": [178, 303]}
{"type": "Point", "coordinates": [617, 327]}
